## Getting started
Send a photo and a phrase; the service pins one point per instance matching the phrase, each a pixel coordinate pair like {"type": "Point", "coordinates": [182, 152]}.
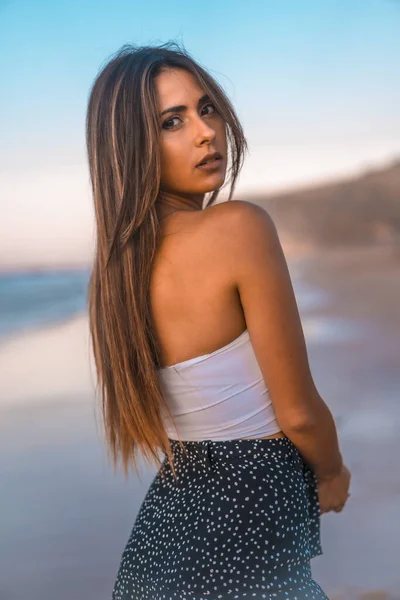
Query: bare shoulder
{"type": "Point", "coordinates": [241, 230]}
{"type": "Point", "coordinates": [239, 218]}
{"type": "Point", "coordinates": [258, 269]}
{"type": "Point", "coordinates": [235, 209]}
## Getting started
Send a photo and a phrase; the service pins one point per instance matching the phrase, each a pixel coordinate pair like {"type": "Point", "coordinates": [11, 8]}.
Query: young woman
{"type": "Point", "coordinates": [199, 346]}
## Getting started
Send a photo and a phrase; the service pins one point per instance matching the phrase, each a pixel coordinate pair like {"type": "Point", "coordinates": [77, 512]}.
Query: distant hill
{"type": "Point", "coordinates": [355, 211]}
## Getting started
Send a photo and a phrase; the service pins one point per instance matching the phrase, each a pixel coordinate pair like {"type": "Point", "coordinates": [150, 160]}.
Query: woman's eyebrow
{"type": "Point", "coordinates": [182, 107]}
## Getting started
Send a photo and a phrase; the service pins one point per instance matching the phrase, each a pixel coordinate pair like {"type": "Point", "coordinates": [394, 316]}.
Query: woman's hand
{"type": "Point", "coordinates": [333, 492]}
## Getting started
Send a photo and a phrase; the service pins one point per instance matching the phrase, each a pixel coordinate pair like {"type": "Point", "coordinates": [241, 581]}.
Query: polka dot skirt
{"type": "Point", "coordinates": [241, 520]}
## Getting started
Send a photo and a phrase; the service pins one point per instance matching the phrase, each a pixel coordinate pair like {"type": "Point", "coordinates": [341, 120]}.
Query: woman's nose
{"type": "Point", "coordinates": [203, 132]}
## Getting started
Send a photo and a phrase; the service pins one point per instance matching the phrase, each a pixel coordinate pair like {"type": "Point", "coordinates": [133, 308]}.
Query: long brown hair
{"type": "Point", "coordinates": [122, 139]}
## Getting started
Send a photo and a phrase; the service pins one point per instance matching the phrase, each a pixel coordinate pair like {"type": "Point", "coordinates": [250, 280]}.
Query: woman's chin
{"type": "Point", "coordinates": [213, 185]}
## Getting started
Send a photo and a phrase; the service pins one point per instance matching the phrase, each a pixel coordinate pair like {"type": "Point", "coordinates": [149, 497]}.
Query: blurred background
{"type": "Point", "coordinates": [317, 88]}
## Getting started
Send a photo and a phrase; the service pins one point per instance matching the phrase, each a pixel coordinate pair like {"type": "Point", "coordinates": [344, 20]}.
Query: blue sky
{"type": "Point", "coordinates": [315, 83]}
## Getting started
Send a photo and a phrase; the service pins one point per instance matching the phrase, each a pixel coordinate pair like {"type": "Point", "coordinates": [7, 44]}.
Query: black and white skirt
{"type": "Point", "coordinates": [241, 520]}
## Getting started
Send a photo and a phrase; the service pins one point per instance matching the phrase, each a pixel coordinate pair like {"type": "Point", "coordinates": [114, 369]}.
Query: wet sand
{"type": "Point", "coordinates": [66, 516]}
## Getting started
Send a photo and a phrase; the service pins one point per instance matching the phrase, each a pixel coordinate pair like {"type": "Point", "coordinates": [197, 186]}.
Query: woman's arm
{"type": "Point", "coordinates": [260, 274]}
{"type": "Point", "coordinates": [317, 441]}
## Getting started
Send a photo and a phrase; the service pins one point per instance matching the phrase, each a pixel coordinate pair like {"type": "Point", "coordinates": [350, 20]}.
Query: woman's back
{"type": "Point", "coordinates": [214, 389]}
{"type": "Point", "coordinates": [195, 304]}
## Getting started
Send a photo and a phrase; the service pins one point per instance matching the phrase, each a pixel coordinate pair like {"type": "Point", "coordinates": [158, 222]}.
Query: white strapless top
{"type": "Point", "coordinates": [219, 396]}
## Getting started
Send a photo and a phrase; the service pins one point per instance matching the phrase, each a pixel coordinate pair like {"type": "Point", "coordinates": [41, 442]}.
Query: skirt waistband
{"type": "Point", "coordinates": [213, 451]}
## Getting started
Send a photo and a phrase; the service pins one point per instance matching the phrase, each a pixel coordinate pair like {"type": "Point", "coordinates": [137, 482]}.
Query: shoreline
{"type": "Point", "coordinates": [43, 363]}
{"type": "Point", "coordinates": [48, 363]}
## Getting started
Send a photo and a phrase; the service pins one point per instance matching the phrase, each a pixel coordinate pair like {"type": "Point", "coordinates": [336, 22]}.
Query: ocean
{"type": "Point", "coordinates": [32, 299]}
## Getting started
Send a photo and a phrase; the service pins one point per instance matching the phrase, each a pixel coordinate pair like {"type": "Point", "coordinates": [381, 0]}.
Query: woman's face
{"type": "Point", "coordinates": [188, 134]}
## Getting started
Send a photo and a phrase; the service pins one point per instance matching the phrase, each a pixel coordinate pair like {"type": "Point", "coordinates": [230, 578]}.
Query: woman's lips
{"type": "Point", "coordinates": [211, 165]}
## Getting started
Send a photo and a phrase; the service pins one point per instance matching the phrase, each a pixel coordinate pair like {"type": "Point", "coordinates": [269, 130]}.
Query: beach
{"type": "Point", "coordinates": [66, 517]}
{"type": "Point", "coordinates": [359, 378]}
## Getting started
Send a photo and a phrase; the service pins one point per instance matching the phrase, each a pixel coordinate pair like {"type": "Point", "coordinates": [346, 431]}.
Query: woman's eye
{"type": "Point", "coordinates": [210, 104]}
{"type": "Point", "coordinates": [170, 120]}
{"type": "Point", "coordinates": [165, 124]}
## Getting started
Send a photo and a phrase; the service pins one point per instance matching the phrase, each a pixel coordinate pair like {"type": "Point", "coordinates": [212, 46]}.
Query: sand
{"type": "Point", "coordinates": [66, 516]}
